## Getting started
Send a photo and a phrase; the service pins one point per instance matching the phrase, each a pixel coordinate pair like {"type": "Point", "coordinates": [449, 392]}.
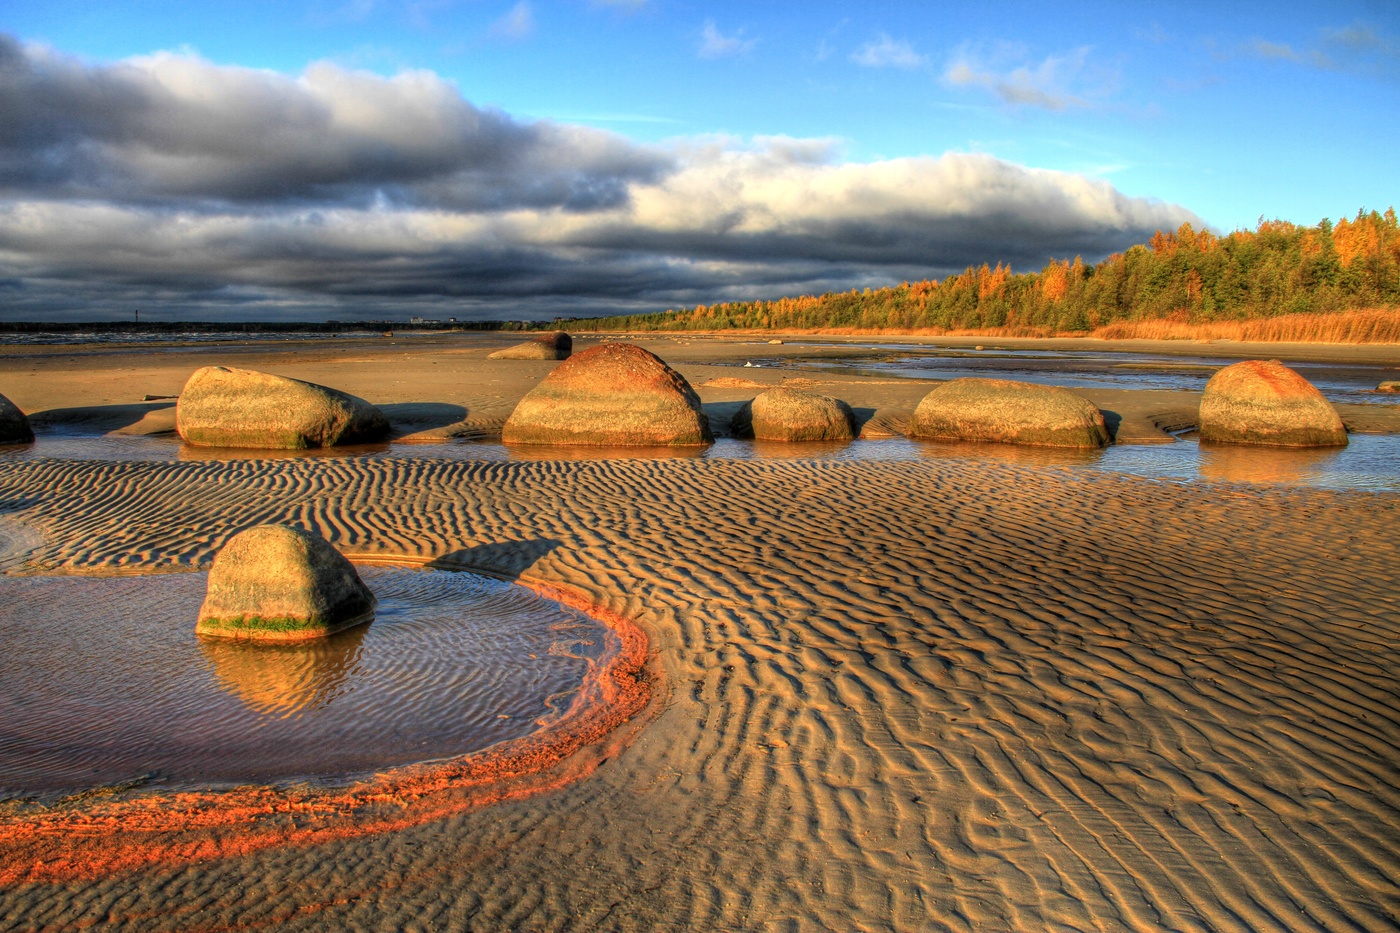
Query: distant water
{"type": "Point", "coordinates": [103, 680]}
{"type": "Point", "coordinates": [1369, 462]}
{"type": "Point", "coordinates": [127, 339]}
{"type": "Point", "coordinates": [1340, 382]}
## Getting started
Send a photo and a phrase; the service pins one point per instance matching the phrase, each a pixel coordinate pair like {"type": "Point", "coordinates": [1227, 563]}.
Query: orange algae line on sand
{"type": "Point", "coordinates": [96, 840]}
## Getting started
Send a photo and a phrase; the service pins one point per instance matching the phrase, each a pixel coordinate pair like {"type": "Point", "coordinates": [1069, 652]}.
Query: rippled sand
{"type": "Point", "coordinates": [891, 695]}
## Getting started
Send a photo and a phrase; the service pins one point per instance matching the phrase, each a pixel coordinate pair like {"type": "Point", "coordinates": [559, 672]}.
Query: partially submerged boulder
{"type": "Point", "coordinates": [1265, 402]}
{"type": "Point", "coordinates": [555, 345]}
{"type": "Point", "coordinates": [612, 395]}
{"type": "Point", "coordinates": [1391, 386]}
{"type": "Point", "coordinates": [278, 583]}
{"type": "Point", "coordinates": [1010, 413]}
{"type": "Point", "coordinates": [14, 426]}
{"type": "Point", "coordinates": [224, 407]}
{"type": "Point", "coordinates": [783, 414]}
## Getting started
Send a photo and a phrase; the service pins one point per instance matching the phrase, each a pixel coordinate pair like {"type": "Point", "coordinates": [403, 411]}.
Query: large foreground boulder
{"type": "Point", "coordinates": [555, 345]}
{"type": "Point", "coordinates": [613, 395]}
{"type": "Point", "coordinates": [1265, 402]}
{"type": "Point", "coordinates": [790, 415]}
{"type": "Point", "coordinates": [14, 426]}
{"type": "Point", "coordinates": [277, 583]}
{"type": "Point", "coordinates": [223, 407]}
{"type": "Point", "coordinates": [1010, 413]}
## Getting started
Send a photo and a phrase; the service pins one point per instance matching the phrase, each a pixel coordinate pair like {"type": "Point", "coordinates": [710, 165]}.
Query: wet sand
{"type": "Point", "coordinates": [886, 695]}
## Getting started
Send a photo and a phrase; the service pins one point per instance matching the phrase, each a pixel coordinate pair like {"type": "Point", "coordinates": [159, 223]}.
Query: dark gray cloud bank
{"type": "Point", "coordinates": [197, 191]}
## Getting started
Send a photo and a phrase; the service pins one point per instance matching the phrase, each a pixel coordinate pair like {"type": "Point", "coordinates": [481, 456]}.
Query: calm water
{"type": "Point", "coordinates": [1370, 461]}
{"type": "Point", "coordinates": [1085, 370]}
{"type": "Point", "coordinates": [103, 680]}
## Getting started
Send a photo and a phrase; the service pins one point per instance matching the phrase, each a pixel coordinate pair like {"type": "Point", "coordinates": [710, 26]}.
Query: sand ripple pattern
{"type": "Point", "coordinates": [903, 696]}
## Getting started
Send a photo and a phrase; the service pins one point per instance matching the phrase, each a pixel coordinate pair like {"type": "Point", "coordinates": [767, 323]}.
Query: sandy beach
{"type": "Point", "coordinates": [904, 695]}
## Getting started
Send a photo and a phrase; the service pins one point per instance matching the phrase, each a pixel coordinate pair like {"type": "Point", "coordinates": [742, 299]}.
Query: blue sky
{"type": "Point", "coordinates": [647, 154]}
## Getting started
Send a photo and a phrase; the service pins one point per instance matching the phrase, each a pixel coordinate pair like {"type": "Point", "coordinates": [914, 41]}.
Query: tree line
{"type": "Point", "coordinates": [1189, 277]}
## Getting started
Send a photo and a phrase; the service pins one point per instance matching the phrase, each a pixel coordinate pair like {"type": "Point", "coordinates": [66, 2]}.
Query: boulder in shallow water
{"type": "Point", "coordinates": [783, 414]}
{"type": "Point", "coordinates": [277, 583]}
{"type": "Point", "coordinates": [1010, 413]}
{"type": "Point", "coordinates": [1265, 402]}
{"type": "Point", "coordinates": [612, 395]}
{"type": "Point", "coordinates": [555, 345]}
{"type": "Point", "coordinates": [224, 407]}
{"type": "Point", "coordinates": [14, 426]}
{"type": "Point", "coordinates": [1391, 386]}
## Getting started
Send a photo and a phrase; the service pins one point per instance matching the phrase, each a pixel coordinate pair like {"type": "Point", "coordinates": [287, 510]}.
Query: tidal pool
{"type": "Point", "coordinates": [103, 681]}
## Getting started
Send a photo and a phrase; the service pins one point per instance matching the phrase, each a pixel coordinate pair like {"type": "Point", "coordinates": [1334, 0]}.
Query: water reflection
{"type": "Point", "coordinates": [1015, 454]}
{"type": "Point", "coordinates": [568, 452]}
{"type": "Point", "coordinates": [196, 453]}
{"type": "Point", "coordinates": [284, 681]}
{"type": "Point", "coordinates": [1227, 463]}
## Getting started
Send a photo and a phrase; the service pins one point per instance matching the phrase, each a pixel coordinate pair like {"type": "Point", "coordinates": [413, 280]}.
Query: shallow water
{"type": "Point", "coordinates": [1369, 462]}
{"type": "Point", "coordinates": [1353, 383]}
{"type": "Point", "coordinates": [104, 681]}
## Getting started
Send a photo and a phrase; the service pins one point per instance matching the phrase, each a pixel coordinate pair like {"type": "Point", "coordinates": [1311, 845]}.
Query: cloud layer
{"type": "Point", "coordinates": [194, 190]}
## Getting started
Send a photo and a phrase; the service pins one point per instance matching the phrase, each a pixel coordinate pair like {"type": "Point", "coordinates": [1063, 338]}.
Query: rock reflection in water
{"type": "Point", "coordinates": [1015, 454]}
{"type": "Point", "coordinates": [285, 680]}
{"type": "Point", "coordinates": [1228, 463]}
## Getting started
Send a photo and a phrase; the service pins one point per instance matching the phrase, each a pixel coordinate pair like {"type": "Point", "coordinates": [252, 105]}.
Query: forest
{"type": "Point", "coordinates": [1280, 281]}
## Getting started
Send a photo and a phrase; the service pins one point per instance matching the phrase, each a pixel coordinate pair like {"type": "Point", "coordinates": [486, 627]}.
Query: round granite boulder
{"type": "Point", "coordinates": [555, 345]}
{"type": "Point", "coordinates": [789, 415]}
{"type": "Point", "coordinates": [1265, 402]}
{"type": "Point", "coordinates": [612, 395]}
{"type": "Point", "coordinates": [277, 583]}
{"type": "Point", "coordinates": [14, 426]}
{"type": "Point", "coordinates": [224, 407]}
{"type": "Point", "coordinates": [1010, 413]}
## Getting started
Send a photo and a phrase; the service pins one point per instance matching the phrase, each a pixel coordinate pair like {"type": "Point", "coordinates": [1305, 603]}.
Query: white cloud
{"type": "Point", "coordinates": [715, 44]}
{"type": "Point", "coordinates": [515, 24]}
{"type": "Point", "coordinates": [178, 184]}
{"type": "Point", "coordinates": [885, 52]}
{"type": "Point", "coordinates": [1056, 83]}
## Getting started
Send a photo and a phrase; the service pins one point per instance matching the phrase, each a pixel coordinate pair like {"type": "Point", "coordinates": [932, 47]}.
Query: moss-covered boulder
{"type": "Point", "coordinates": [277, 583]}
{"type": "Point", "coordinates": [14, 426]}
{"type": "Point", "coordinates": [224, 407]}
{"type": "Point", "coordinates": [1264, 402]}
{"type": "Point", "coordinates": [555, 345]}
{"type": "Point", "coordinates": [790, 415]}
{"type": "Point", "coordinates": [613, 395]}
{"type": "Point", "coordinates": [1008, 412]}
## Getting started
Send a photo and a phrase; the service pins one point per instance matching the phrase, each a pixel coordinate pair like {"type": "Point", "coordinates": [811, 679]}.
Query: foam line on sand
{"type": "Point", "coordinates": [896, 695]}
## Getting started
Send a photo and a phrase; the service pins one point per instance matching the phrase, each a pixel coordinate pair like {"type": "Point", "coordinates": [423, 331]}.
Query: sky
{"type": "Point", "coordinates": [490, 159]}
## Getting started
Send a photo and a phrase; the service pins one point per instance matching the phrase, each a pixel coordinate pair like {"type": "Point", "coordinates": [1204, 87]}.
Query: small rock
{"type": "Point", "coordinates": [784, 414]}
{"type": "Point", "coordinates": [555, 345]}
{"type": "Point", "coordinates": [278, 583]}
